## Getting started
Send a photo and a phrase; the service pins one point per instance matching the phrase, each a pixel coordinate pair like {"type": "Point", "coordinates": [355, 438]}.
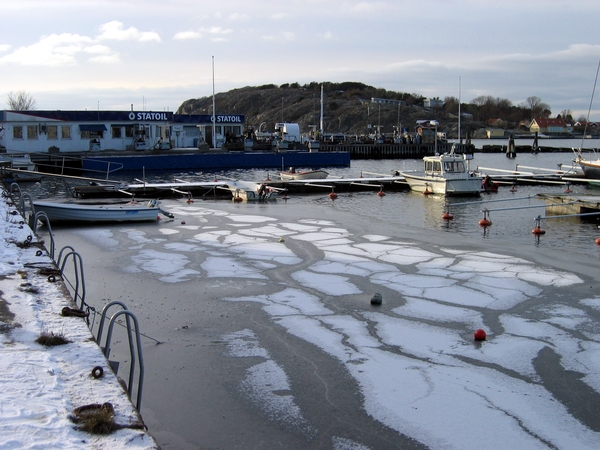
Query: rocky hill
{"type": "Point", "coordinates": [347, 108]}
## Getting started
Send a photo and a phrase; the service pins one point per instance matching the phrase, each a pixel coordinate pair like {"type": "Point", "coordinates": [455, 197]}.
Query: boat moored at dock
{"type": "Point", "coordinates": [446, 174]}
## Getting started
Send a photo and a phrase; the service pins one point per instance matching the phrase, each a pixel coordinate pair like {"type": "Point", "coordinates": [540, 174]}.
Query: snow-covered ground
{"type": "Point", "coordinates": [41, 386]}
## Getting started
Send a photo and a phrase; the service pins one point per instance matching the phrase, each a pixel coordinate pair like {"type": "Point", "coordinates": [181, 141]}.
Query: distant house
{"type": "Point", "coordinates": [387, 101]}
{"type": "Point", "coordinates": [588, 124]}
{"type": "Point", "coordinates": [494, 133]}
{"type": "Point", "coordinates": [495, 122]}
{"type": "Point", "coordinates": [524, 124]}
{"type": "Point", "coordinates": [433, 103]}
{"type": "Point", "coordinates": [548, 126]}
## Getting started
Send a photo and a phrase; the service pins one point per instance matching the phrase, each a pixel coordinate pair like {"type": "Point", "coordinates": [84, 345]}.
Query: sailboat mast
{"type": "Point", "coordinates": [321, 122]}
{"type": "Point", "coordinates": [214, 119]}
{"type": "Point", "coordinates": [459, 139]}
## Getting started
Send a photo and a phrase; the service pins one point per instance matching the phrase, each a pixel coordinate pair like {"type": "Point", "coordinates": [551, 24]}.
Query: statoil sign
{"type": "Point", "coordinates": [231, 118]}
{"type": "Point", "coordinates": [148, 116]}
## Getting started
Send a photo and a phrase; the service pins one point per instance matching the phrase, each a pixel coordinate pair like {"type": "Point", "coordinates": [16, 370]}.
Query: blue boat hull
{"type": "Point", "coordinates": [214, 161]}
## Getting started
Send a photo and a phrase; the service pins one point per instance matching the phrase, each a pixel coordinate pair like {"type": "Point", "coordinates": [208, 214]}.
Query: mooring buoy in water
{"type": "Point", "coordinates": [376, 299]}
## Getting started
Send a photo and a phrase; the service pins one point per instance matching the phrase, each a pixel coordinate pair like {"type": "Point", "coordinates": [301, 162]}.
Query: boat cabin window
{"type": "Point", "coordinates": [454, 166]}
{"type": "Point", "coordinates": [433, 166]}
{"type": "Point", "coordinates": [17, 132]}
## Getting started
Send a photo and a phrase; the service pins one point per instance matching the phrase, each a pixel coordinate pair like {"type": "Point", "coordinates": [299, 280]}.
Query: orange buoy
{"type": "Point", "coordinates": [597, 241]}
{"type": "Point", "coordinates": [189, 200]}
{"type": "Point", "coordinates": [237, 199]}
{"type": "Point", "coordinates": [381, 194]}
{"type": "Point", "coordinates": [538, 231]}
{"type": "Point", "coordinates": [485, 222]}
{"type": "Point", "coordinates": [479, 335]}
{"type": "Point", "coordinates": [427, 192]}
{"type": "Point", "coordinates": [332, 195]}
{"type": "Point", "coordinates": [447, 216]}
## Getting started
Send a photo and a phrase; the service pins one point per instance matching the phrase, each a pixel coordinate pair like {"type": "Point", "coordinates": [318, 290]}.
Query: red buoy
{"type": "Point", "coordinates": [485, 223]}
{"type": "Point", "coordinates": [447, 216]}
{"type": "Point", "coordinates": [479, 335]}
{"type": "Point", "coordinates": [598, 241]}
{"type": "Point", "coordinates": [381, 194]}
{"type": "Point", "coordinates": [332, 195]}
{"type": "Point", "coordinates": [538, 231]}
{"type": "Point", "coordinates": [237, 199]}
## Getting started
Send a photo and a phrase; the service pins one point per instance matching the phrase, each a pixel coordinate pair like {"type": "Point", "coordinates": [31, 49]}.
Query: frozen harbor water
{"type": "Point", "coordinates": [269, 340]}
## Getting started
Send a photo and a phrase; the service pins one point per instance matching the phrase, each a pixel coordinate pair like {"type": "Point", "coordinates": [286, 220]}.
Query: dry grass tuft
{"type": "Point", "coordinates": [95, 418]}
{"type": "Point", "coordinates": [51, 339]}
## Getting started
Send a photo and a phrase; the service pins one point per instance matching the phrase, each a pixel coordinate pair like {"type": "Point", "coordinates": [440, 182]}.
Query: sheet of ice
{"type": "Point", "coordinates": [168, 231]}
{"type": "Point", "coordinates": [592, 302]}
{"type": "Point", "coordinates": [266, 384]}
{"type": "Point", "coordinates": [375, 237]}
{"type": "Point", "coordinates": [250, 219]}
{"type": "Point", "coordinates": [170, 265]}
{"type": "Point", "coordinates": [100, 237]}
{"type": "Point", "coordinates": [423, 309]}
{"type": "Point", "coordinates": [289, 302]}
{"type": "Point", "coordinates": [328, 284]}
{"type": "Point", "coordinates": [226, 267]}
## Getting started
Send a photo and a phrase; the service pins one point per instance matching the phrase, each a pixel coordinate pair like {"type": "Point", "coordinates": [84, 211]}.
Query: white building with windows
{"type": "Point", "coordinates": [77, 131]}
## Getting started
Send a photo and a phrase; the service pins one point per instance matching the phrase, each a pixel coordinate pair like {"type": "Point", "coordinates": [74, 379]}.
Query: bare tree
{"type": "Point", "coordinates": [21, 101]}
{"type": "Point", "coordinates": [537, 107]}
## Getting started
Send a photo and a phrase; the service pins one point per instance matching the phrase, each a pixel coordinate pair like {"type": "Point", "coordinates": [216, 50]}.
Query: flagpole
{"type": "Point", "coordinates": [214, 137]}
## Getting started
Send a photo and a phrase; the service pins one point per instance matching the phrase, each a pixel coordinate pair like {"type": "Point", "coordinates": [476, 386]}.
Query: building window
{"type": "Point", "coordinates": [52, 132]}
{"type": "Point", "coordinates": [32, 132]}
{"type": "Point", "coordinates": [92, 135]}
{"type": "Point", "coordinates": [17, 132]}
{"type": "Point", "coordinates": [129, 131]}
{"type": "Point", "coordinates": [65, 132]}
{"type": "Point", "coordinates": [116, 132]}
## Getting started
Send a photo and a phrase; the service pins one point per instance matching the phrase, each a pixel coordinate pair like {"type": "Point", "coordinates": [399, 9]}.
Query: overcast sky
{"type": "Point", "coordinates": [74, 54]}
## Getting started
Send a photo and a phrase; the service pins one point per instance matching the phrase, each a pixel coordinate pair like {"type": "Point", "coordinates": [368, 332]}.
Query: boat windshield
{"type": "Point", "coordinates": [433, 166]}
{"type": "Point", "coordinates": [454, 166]}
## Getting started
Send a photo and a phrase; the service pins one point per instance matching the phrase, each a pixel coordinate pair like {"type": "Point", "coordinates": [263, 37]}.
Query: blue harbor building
{"type": "Point", "coordinates": [109, 141]}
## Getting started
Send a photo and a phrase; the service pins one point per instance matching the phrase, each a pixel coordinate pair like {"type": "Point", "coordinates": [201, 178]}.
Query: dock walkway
{"type": "Point", "coordinates": [47, 388]}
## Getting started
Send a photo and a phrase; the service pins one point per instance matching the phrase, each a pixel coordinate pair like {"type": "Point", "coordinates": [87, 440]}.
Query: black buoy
{"type": "Point", "coordinates": [376, 299]}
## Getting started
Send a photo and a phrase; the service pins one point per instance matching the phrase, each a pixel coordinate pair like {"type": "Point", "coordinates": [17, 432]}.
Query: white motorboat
{"type": "Point", "coordinates": [17, 161]}
{"type": "Point", "coordinates": [250, 191]}
{"type": "Point", "coordinates": [79, 213]}
{"type": "Point", "coordinates": [292, 174]}
{"type": "Point", "coordinates": [446, 174]}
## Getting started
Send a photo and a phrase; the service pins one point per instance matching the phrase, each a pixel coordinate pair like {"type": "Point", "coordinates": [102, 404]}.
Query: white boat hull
{"type": "Point", "coordinates": [591, 169]}
{"type": "Point", "coordinates": [443, 186]}
{"type": "Point", "coordinates": [76, 213]}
